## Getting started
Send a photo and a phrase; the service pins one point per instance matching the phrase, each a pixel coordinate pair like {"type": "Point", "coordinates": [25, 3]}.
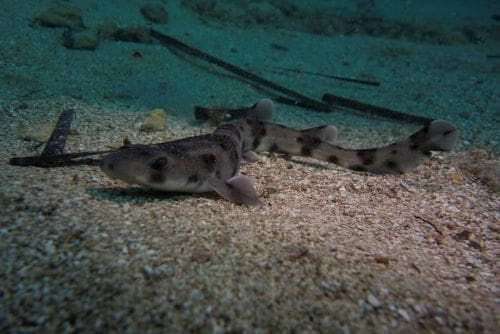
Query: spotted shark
{"type": "Point", "coordinates": [212, 162]}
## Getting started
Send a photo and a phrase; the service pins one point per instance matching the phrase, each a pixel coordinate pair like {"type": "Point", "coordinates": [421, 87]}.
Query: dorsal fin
{"type": "Point", "coordinates": [326, 133]}
{"type": "Point", "coordinates": [440, 136]}
{"type": "Point", "coordinates": [262, 110]}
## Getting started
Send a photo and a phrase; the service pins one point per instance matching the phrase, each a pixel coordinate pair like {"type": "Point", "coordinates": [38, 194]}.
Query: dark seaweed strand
{"type": "Point", "coordinates": [377, 111]}
{"type": "Point", "coordinates": [172, 42]}
{"type": "Point", "coordinates": [292, 102]}
{"type": "Point", "coordinates": [330, 76]}
{"type": "Point", "coordinates": [58, 160]}
{"type": "Point", "coordinates": [57, 140]}
{"type": "Point", "coordinates": [302, 100]}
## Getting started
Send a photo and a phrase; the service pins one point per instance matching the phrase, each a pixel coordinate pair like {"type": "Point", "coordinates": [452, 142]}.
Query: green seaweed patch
{"type": "Point", "coordinates": [136, 34]}
{"type": "Point", "coordinates": [154, 13]}
{"type": "Point", "coordinates": [87, 39]}
{"type": "Point", "coordinates": [108, 29]}
{"type": "Point", "coordinates": [61, 16]}
{"type": "Point", "coordinates": [39, 133]}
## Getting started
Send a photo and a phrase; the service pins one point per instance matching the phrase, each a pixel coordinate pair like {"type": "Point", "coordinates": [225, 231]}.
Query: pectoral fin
{"type": "Point", "coordinates": [249, 156]}
{"type": "Point", "coordinates": [238, 189]}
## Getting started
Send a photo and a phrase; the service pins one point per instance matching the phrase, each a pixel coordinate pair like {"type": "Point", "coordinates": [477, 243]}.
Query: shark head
{"type": "Point", "coordinates": [149, 167]}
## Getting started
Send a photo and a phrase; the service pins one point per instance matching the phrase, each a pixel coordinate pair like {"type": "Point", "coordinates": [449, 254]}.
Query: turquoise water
{"type": "Point", "coordinates": [431, 59]}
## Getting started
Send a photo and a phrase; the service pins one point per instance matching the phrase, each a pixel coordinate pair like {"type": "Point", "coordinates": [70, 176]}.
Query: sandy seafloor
{"type": "Point", "coordinates": [329, 251]}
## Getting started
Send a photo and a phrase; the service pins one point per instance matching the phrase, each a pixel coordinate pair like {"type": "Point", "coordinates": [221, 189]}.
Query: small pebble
{"type": "Point", "coordinates": [49, 248]}
{"type": "Point", "coordinates": [156, 120]}
{"type": "Point", "coordinates": [147, 271]}
{"type": "Point", "coordinates": [201, 255]}
{"type": "Point", "coordinates": [196, 295]}
{"type": "Point", "coordinates": [373, 300]}
{"type": "Point", "coordinates": [294, 252]}
{"type": "Point", "coordinates": [439, 320]}
{"type": "Point", "coordinates": [404, 314]}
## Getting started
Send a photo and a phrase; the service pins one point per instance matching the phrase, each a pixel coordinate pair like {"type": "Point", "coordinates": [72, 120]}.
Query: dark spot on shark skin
{"type": "Point", "coordinates": [237, 134]}
{"type": "Point", "coordinates": [274, 148]}
{"type": "Point", "coordinates": [394, 152]}
{"type": "Point", "coordinates": [178, 151]}
{"type": "Point", "coordinates": [193, 178]}
{"type": "Point", "coordinates": [255, 127]}
{"type": "Point", "coordinates": [256, 143]}
{"type": "Point", "coordinates": [225, 143]}
{"type": "Point", "coordinates": [314, 142]}
{"type": "Point", "coordinates": [234, 156]}
{"type": "Point", "coordinates": [159, 163]}
{"type": "Point", "coordinates": [417, 137]}
{"type": "Point", "coordinates": [309, 144]}
{"type": "Point", "coordinates": [110, 166]}
{"type": "Point", "coordinates": [358, 168]}
{"type": "Point", "coordinates": [209, 161]}
{"type": "Point", "coordinates": [217, 174]}
{"type": "Point", "coordinates": [333, 159]}
{"type": "Point", "coordinates": [157, 177]}
{"type": "Point", "coordinates": [310, 141]}
{"type": "Point", "coordinates": [393, 166]}
{"type": "Point", "coordinates": [414, 147]}
{"type": "Point", "coordinates": [306, 151]}
{"type": "Point", "coordinates": [367, 156]}
{"type": "Point", "coordinates": [262, 132]}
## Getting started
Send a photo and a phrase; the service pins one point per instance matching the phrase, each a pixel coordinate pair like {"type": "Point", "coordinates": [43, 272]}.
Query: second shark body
{"type": "Point", "coordinates": [212, 162]}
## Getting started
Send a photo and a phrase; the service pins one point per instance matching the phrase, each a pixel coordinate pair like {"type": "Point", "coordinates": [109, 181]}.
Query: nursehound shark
{"type": "Point", "coordinates": [212, 162]}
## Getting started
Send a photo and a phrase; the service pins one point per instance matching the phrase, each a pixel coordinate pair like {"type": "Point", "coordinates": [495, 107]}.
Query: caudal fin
{"type": "Point", "coordinates": [395, 158]}
{"type": "Point", "coordinates": [437, 136]}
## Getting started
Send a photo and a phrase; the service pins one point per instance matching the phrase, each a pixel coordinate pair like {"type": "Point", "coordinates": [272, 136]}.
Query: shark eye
{"type": "Point", "coordinates": [159, 163]}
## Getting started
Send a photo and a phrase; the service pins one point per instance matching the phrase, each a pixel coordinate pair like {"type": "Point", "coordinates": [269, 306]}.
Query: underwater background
{"type": "Point", "coordinates": [431, 59]}
{"type": "Point", "coordinates": [331, 250]}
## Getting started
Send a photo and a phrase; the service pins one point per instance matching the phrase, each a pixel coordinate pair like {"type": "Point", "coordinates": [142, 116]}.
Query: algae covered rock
{"type": "Point", "coordinates": [156, 120]}
{"type": "Point", "coordinates": [87, 39]}
{"type": "Point", "coordinates": [62, 15]}
{"type": "Point", "coordinates": [155, 13]}
{"type": "Point", "coordinates": [108, 29]}
{"type": "Point", "coordinates": [39, 133]}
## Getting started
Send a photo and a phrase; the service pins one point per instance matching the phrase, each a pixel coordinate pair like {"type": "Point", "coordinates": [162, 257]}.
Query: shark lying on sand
{"type": "Point", "coordinates": [212, 162]}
